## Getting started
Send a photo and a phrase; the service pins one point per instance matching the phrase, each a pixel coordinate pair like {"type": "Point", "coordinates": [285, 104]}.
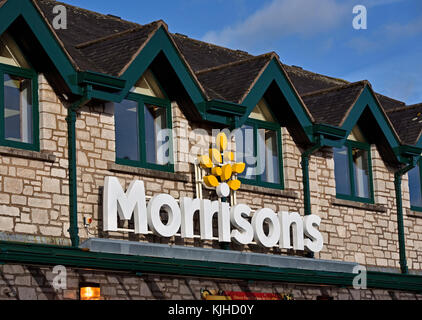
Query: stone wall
{"type": "Point", "coordinates": [35, 283]}
{"type": "Point", "coordinates": [34, 188]}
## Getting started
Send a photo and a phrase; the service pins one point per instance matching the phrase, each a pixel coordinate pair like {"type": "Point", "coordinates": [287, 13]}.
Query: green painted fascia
{"type": "Point", "coordinates": [160, 42]}
{"type": "Point", "coordinates": [224, 107]}
{"type": "Point", "coordinates": [100, 80]}
{"type": "Point", "coordinates": [408, 154]}
{"type": "Point", "coordinates": [367, 99]}
{"type": "Point", "coordinates": [11, 10]}
{"type": "Point", "coordinates": [329, 132]}
{"type": "Point", "coordinates": [49, 255]}
{"type": "Point", "coordinates": [273, 73]}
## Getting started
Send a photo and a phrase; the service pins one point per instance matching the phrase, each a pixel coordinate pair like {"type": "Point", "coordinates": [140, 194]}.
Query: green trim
{"type": "Point", "coordinates": [143, 163]}
{"type": "Point", "coordinates": [73, 192]}
{"type": "Point", "coordinates": [353, 197]}
{"type": "Point", "coordinates": [417, 163]}
{"type": "Point", "coordinates": [161, 43]}
{"type": "Point", "coordinates": [256, 125]}
{"type": "Point", "coordinates": [305, 173]}
{"type": "Point", "coordinates": [100, 80]}
{"type": "Point", "coordinates": [400, 223]}
{"type": "Point", "coordinates": [11, 10]}
{"type": "Point", "coordinates": [47, 255]}
{"type": "Point", "coordinates": [224, 107]}
{"type": "Point", "coordinates": [329, 132]}
{"type": "Point", "coordinates": [31, 75]}
{"type": "Point", "coordinates": [368, 100]}
{"type": "Point", "coordinates": [418, 209]}
{"type": "Point", "coordinates": [274, 73]}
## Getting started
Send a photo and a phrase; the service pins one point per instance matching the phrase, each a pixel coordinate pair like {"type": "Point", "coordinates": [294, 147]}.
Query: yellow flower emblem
{"type": "Point", "coordinates": [222, 166]}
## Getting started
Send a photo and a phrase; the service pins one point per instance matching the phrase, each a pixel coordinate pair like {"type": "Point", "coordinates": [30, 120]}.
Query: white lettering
{"type": "Point", "coordinates": [126, 204]}
{"type": "Point", "coordinates": [291, 221]}
{"type": "Point", "coordinates": [244, 233]}
{"type": "Point", "coordinates": [166, 204]}
{"type": "Point", "coordinates": [267, 228]}
{"type": "Point", "coordinates": [315, 243]}
{"type": "Point", "coordinates": [266, 216]}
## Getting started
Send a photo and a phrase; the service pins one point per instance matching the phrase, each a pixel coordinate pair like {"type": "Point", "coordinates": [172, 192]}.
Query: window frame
{"type": "Point", "coordinates": [350, 144]}
{"type": "Point", "coordinates": [259, 124]}
{"type": "Point", "coordinates": [32, 75]}
{"type": "Point", "coordinates": [416, 208]}
{"type": "Point", "coordinates": [141, 100]}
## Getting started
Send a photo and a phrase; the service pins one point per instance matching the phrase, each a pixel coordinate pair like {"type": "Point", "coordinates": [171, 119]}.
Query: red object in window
{"type": "Point", "coordinates": [254, 296]}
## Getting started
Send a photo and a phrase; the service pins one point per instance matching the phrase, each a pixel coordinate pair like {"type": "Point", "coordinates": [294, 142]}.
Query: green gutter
{"type": "Point", "coordinates": [400, 224]}
{"type": "Point", "coordinates": [73, 202]}
{"type": "Point", "coordinates": [305, 170]}
{"type": "Point", "coordinates": [48, 255]}
{"type": "Point", "coordinates": [305, 173]}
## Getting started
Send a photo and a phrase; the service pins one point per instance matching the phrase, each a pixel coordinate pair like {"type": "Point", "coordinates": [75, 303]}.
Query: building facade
{"type": "Point", "coordinates": [91, 101]}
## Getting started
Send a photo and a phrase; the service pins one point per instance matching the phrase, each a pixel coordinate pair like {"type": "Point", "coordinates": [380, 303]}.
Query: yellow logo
{"type": "Point", "coordinates": [223, 168]}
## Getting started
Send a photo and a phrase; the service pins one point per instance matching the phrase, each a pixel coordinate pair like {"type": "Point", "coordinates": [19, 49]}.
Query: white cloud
{"type": "Point", "coordinates": [283, 18]}
{"type": "Point", "coordinates": [397, 30]}
{"type": "Point", "coordinates": [385, 36]}
{"type": "Point", "coordinates": [397, 77]}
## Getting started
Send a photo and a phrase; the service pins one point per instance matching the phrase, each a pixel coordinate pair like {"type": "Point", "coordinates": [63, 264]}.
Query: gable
{"type": "Point", "coordinates": [10, 53]}
{"type": "Point", "coordinates": [262, 112]}
{"type": "Point", "coordinates": [375, 125]}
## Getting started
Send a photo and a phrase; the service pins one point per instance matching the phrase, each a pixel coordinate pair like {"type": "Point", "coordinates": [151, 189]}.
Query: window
{"type": "Point", "coordinates": [19, 125]}
{"type": "Point", "coordinates": [353, 171]}
{"type": "Point", "coordinates": [415, 188]}
{"type": "Point", "coordinates": [258, 144]}
{"type": "Point", "coordinates": [143, 127]}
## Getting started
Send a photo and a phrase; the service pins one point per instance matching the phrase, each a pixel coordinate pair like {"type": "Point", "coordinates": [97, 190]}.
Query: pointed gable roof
{"type": "Point", "coordinates": [232, 81]}
{"type": "Point", "coordinates": [331, 106]}
{"type": "Point", "coordinates": [113, 53]}
{"type": "Point", "coordinates": [84, 26]}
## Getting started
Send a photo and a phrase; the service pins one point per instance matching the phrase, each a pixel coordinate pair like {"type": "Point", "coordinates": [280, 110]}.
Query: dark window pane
{"type": "Point", "coordinates": [269, 157]}
{"type": "Point", "coordinates": [157, 136]}
{"type": "Point", "coordinates": [18, 109]}
{"type": "Point", "coordinates": [342, 172]}
{"type": "Point", "coordinates": [127, 130]}
{"type": "Point", "coordinates": [415, 187]}
{"type": "Point", "coordinates": [361, 172]}
{"type": "Point", "coordinates": [245, 151]}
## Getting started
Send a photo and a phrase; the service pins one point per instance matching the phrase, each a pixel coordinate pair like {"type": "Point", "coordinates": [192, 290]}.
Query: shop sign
{"type": "Point", "coordinates": [166, 217]}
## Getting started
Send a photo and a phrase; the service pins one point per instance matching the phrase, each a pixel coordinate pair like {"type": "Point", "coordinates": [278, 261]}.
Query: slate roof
{"type": "Point", "coordinates": [234, 88]}
{"type": "Point", "coordinates": [108, 44]}
{"type": "Point", "coordinates": [113, 53]}
{"type": "Point", "coordinates": [408, 122]}
{"type": "Point", "coordinates": [202, 55]}
{"type": "Point", "coordinates": [82, 26]}
{"type": "Point", "coordinates": [331, 106]}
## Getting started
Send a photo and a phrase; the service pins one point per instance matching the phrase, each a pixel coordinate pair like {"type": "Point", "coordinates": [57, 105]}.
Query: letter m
{"type": "Point", "coordinates": [116, 201]}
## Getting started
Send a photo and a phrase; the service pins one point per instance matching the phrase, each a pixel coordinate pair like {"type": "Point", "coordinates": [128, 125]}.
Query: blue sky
{"type": "Point", "coordinates": [315, 34]}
